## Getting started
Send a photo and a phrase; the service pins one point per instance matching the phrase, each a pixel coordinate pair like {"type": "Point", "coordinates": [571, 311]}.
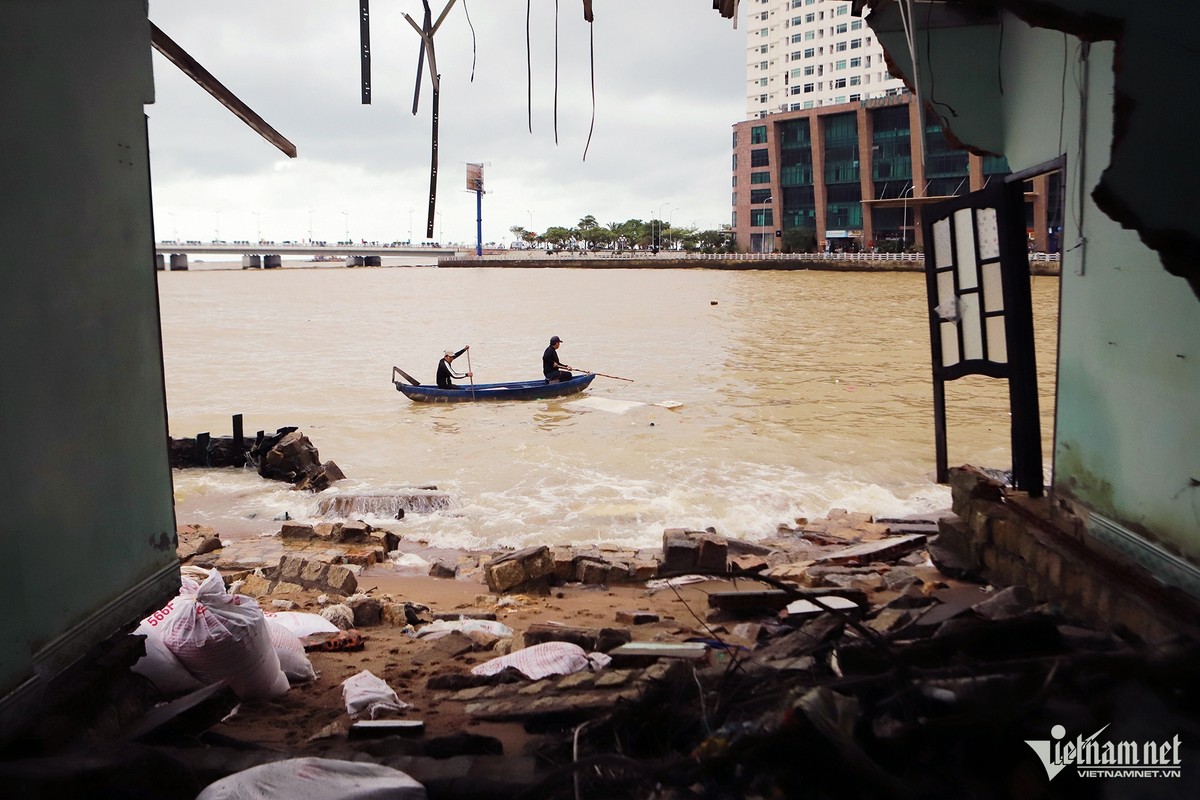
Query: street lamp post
{"type": "Point", "coordinates": [410, 213]}
{"type": "Point", "coordinates": [310, 236]}
{"type": "Point", "coordinates": [174, 228]}
{"type": "Point", "coordinates": [346, 214]}
{"type": "Point", "coordinates": [257, 225]}
{"type": "Point", "coordinates": [659, 220]}
{"type": "Point", "coordinates": [670, 227]}
{"type": "Point", "coordinates": [217, 229]}
{"type": "Point", "coordinates": [441, 238]}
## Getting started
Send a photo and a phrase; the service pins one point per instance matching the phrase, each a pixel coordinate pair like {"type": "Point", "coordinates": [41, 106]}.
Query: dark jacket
{"type": "Point", "coordinates": [444, 373]}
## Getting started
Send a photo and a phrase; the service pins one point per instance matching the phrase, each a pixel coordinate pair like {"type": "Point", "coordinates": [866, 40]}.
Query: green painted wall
{"type": "Point", "coordinates": [88, 517]}
{"type": "Point", "coordinates": [1127, 439]}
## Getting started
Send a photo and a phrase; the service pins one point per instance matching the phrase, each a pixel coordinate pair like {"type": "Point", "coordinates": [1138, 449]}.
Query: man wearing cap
{"type": "Point", "coordinates": [444, 373]}
{"type": "Point", "coordinates": [552, 368]}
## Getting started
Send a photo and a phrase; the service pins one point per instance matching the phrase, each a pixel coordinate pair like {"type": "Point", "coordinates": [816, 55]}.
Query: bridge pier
{"type": "Point", "coordinates": [251, 262]}
{"type": "Point", "coordinates": [354, 261]}
{"type": "Point", "coordinates": [372, 261]}
{"type": "Point", "coordinates": [179, 261]}
{"type": "Point", "coordinates": [272, 262]}
{"type": "Point", "coordinates": [159, 261]}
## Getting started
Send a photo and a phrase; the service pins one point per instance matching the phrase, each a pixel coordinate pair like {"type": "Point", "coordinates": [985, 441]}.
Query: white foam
{"type": "Point", "coordinates": [605, 404]}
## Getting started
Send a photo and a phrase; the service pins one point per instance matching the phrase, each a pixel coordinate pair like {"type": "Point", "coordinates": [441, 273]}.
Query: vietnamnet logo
{"type": "Point", "coordinates": [1095, 759]}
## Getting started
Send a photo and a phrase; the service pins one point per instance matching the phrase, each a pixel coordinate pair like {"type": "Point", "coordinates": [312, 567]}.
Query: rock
{"type": "Point", "coordinates": [290, 459]}
{"type": "Point", "coordinates": [321, 478]}
{"type": "Point", "coordinates": [208, 545]}
{"type": "Point", "coordinates": [680, 551]}
{"type": "Point", "coordinates": [341, 579]}
{"type": "Point", "coordinates": [294, 530]}
{"type": "Point", "coordinates": [368, 611]}
{"type": "Point", "coordinates": [712, 553]}
{"type": "Point", "coordinates": [340, 615]}
{"type": "Point", "coordinates": [884, 550]}
{"type": "Point", "coordinates": [352, 532]}
{"type": "Point", "coordinates": [524, 570]}
{"type": "Point", "coordinates": [592, 571]}
{"type": "Point", "coordinates": [440, 569]}
{"type": "Point", "coordinates": [636, 617]}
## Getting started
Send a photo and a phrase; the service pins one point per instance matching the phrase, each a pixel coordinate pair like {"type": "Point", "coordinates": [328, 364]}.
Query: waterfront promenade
{"type": "Point", "coordinates": [1039, 263]}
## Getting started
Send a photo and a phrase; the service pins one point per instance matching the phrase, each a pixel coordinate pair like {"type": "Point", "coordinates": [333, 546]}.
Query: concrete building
{"type": "Point", "coordinates": [827, 147]}
{"type": "Point", "coordinates": [803, 54]}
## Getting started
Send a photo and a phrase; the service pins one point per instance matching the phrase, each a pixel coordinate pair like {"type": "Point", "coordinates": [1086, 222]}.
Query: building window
{"type": "Point", "coordinates": [855, 80]}
{"type": "Point", "coordinates": [810, 18]}
{"type": "Point", "coordinates": [763, 32]}
{"type": "Point", "coordinates": [810, 52]}
{"type": "Point", "coordinates": [856, 24]}
{"type": "Point", "coordinates": [856, 62]}
{"type": "Point", "coordinates": [808, 88]}
{"type": "Point", "coordinates": [762, 49]}
{"type": "Point", "coordinates": [841, 27]}
{"type": "Point", "coordinates": [762, 65]}
{"type": "Point", "coordinates": [810, 69]}
{"type": "Point", "coordinates": [762, 98]}
{"type": "Point", "coordinates": [760, 158]}
{"type": "Point", "coordinates": [760, 177]}
{"type": "Point", "coordinates": [808, 104]}
{"type": "Point", "coordinates": [758, 134]}
{"type": "Point", "coordinates": [795, 38]}
{"type": "Point", "coordinates": [761, 217]}
{"type": "Point", "coordinates": [838, 83]}
{"type": "Point", "coordinates": [796, 56]}
{"type": "Point", "coordinates": [854, 98]}
{"type": "Point", "coordinates": [735, 162]}
{"type": "Point", "coordinates": [762, 81]}
{"type": "Point", "coordinates": [734, 180]}
{"type": "Point", "coordinates": [810, 35]}
{"type": "Point", "coordinates": [855, 44]}
{"type": "Point", "coordinates": [760, 196]}
{"type": "Point", "coordinates": [735, 198]}
{"type": "Point", "coordinates": [839, 64]}
{"type": "Point", "coordinates": [840, 47]}
{"type": "Point", "coordinates": [843, 11]}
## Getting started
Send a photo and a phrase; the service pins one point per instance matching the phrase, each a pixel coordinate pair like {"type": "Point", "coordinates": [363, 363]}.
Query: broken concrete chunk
{"type": "Point", "coordinates": [884, 550]}
{"type": "Point", "coordinates": [805, 609]}
{"type": "Point", "coordinates": [524, 570]}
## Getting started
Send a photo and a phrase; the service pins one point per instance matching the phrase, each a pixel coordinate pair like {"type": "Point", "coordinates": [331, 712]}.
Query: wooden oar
{"type": "Point", "coordinates": [470, 372]}
{"type": "Point", "coordinates": [407, 377]}
{"type": "Point", "coordinates": [602, 375]}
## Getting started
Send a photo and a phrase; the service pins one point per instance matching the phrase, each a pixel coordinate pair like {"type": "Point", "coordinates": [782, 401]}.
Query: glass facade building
{"type": "Point", "coordinates": [853, 177]}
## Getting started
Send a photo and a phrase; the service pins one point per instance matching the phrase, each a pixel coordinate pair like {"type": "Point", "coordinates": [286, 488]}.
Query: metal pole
{"type": "Point", "coordinates": [478, 233]}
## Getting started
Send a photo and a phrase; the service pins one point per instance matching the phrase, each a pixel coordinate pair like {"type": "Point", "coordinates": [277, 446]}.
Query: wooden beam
{"type": "Point", "coordinates": [192, 68]}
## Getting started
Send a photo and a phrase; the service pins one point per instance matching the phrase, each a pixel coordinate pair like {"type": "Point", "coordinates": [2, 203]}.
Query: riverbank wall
{"type": "Point", "coordinates": [829, 262]}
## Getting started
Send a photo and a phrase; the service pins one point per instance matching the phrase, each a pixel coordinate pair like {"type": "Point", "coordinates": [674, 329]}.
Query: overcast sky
{"type": "Point", "coordinates": [670, 77]}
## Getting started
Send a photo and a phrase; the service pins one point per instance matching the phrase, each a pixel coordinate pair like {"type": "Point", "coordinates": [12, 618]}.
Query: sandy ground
{"type": "Point", "coordinates": [295, 721]}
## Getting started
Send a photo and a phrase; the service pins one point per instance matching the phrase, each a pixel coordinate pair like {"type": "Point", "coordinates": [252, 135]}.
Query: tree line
{"type": "Point", "coordinates": [632, 234]}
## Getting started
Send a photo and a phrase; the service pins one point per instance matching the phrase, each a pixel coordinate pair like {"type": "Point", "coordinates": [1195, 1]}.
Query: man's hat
{"type": "Point", "coordinates": [555, 340]}
{"type": "Point", "coordinates": [449, 352]}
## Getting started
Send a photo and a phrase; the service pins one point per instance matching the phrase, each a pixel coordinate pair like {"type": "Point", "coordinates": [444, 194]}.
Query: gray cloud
{"type": "Point", "coordinates": [669, 84]}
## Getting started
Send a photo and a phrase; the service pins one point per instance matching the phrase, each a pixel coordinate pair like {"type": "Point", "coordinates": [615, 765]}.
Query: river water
{"type": "Point", "coordinates": [757, 396]}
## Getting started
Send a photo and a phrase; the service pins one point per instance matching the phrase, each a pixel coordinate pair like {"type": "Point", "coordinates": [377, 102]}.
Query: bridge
{"type": "Point", "coordinates": [269, 254]}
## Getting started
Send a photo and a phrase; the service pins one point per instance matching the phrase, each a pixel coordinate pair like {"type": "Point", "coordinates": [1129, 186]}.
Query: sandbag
{"type": "Point", "coordinates": [366, 692]}
{"type": "Point", "coordinates": [219, 636]}
{"type": "Point", "coordinates": [301, 623]}
{"type": "Point", "coordinates": [159, 665]}
{"type": "Point", "coordinates": [542, 660]}
{"type": "Point", "coordinates": [316, 779]}
{"type": "Point", "coordinates": [292, 658]}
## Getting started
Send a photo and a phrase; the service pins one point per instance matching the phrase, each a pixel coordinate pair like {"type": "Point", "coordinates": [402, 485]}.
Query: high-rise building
{"type": "Point", "coordinates": [803, 54]}
{"type": "Point", "coordinates": [828, 147]}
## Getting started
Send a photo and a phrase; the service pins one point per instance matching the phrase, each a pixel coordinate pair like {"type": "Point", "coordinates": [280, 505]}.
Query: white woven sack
{"type": "Point", "coordinates": [542, 660]}
{"type": "Point", "coordinates": [301, 623]}
{"type": "Point", "coordinates": [219, 636]}
{"type": "Point", "coordinates": [159, 665]}
{"type": "Point", "coordinates": [292, 658]}
{"type": "Point", "coordinates": [316, 779]}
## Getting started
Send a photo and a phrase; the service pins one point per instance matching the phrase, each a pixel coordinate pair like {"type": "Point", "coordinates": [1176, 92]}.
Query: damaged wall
{"type": "Point", "coordinates": [1126, 451]}
{"type": "Point", "coordinates": [89, 529]}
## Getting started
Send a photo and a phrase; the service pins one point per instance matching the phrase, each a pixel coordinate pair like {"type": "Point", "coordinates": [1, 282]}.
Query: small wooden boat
{"type": "Point", "coordinates": [514, 390]}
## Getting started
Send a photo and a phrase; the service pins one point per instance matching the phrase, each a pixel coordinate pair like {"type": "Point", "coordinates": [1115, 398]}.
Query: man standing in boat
{"type": "Point", "coordinates": [552, 368]}
{"type": "Point", "coordinates": [444, 373]}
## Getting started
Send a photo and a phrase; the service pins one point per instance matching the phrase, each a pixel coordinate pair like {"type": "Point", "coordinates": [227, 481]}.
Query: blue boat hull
{"type": "Point", "coordinates": [515, 390]}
